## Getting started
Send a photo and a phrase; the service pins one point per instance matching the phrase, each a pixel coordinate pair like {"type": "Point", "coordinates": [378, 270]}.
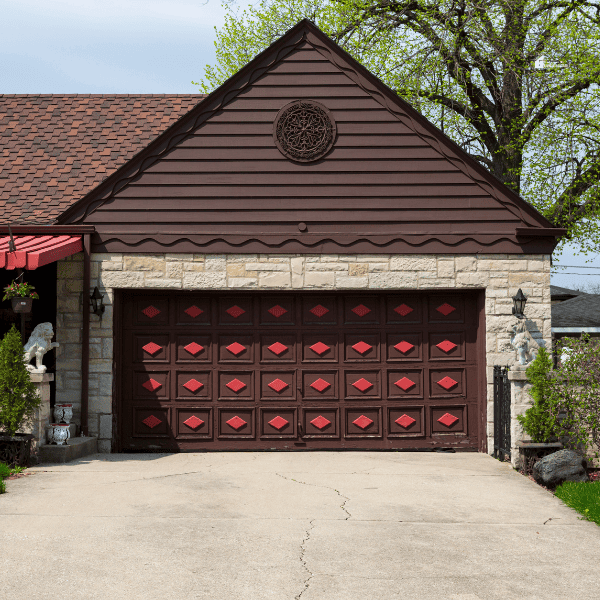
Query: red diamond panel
{"type": "Point", "coordinates": [193, 422]}
{"type": "Point", "coordinates": [404, 347]}
{"type": "Point", "coordinates": [193, 348]}
{"type": "Point", "coordinates": [278, 422]}
{"type": "Point", "coordinates": [277, 348]}
{"type": "Point", "coordinates": [236, 422]}
{"type": "Point", "coordinates": [319, 310]}
{"type": "Point", "coordinates": [446, 346]}
{"type": "Point", "coordinates": [151, 348]}
{"type": "Point", "coordinates": [405, 421]}
{"type": "Point", "coordinates": [277, 311]}
{"type": "Point", "coordinates": [151, 311]}
{"type": "Point", "coordinates": [320, 385]}
{"type": "Point", "coordinates": [193, 311]}
{"type": "Point", "coordinates": [319, 348]}
{"type": "Point", "coordinates": [445, 309]}
{"type": "Point", "coordinates": [448, 420]}
{"type": "Point", "coordinates": [152, 385]}
{"type": "Point", "coordinates": [236, 385]}
{"type": "Point", "coordinates": [362, 422]}
{"type": "Point", "coordinates": [404, 384]}
{"type": "Point", "coordinates": [193, 385]}
{"type": "Point", "coordinates": [403, 310]}
{"type": "Point", "coordinates": [235, 311]}
{"type": "Point", "coordinates": [235, 348]}
{"type": "Point", "coordinates": [361, 310]}
{"type": "Point", "coordinates": [278, 385]}
{"type": "Point", "coordinates": [320, 422]}
{"type": "Point", "coordinates": [152, 421]}
{"type": "Point", "coordinates": [447, 382]}
{"type": "Point", "coordinates": [362, 384]}
{"type": "Point", "coordinates": [362, 347]}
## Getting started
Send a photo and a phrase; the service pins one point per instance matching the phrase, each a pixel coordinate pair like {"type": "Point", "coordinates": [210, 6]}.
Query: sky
{"type": "Point", "coordinates": [136, 47]}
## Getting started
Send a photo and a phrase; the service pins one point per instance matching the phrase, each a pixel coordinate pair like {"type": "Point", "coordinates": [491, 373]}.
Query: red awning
{"type": "Point", "coordinates": [33, 251]}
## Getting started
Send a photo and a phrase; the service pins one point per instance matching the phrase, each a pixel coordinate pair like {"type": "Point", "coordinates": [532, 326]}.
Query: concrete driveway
{"type": "Point", "coordinates": [283, 526]}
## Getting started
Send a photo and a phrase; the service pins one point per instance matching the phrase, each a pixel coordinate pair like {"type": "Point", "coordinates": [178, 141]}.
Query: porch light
{"type": "Point", "coordinates": [519, 301]}
{"type": "Point", "coordinates": [96, 300]}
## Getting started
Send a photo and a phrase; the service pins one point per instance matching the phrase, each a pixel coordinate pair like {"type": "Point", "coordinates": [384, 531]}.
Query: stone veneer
{"type": "Point", "coordinates": [499, 274]}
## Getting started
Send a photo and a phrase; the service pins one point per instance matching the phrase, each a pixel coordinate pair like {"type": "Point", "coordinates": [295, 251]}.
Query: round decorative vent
{"type": "Point", "coordinates": [304, 130]}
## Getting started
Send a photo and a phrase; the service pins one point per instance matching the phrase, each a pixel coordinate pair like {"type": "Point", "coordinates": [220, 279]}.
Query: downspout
{"type": "Point", "coordinates": [85, 336]}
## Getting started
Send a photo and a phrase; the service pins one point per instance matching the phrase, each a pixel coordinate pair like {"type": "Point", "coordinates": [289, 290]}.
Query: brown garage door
{"type": "Point", "coordinates": [298, 371]}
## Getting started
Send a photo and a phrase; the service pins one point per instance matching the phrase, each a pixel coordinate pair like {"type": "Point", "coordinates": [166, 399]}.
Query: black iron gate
{"type": "Point", "coordinates": [502, 440]}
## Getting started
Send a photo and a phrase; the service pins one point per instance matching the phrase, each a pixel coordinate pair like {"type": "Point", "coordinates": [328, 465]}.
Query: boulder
{"type": "Point", "coordinates": [558, 467]}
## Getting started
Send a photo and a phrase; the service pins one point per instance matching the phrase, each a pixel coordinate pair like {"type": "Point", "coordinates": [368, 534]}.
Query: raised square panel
{"type": "Point", "coordinates": [404, 383]}
{"type": "Point", "coordinates": [235, 423]}
{"type": "Point", "coordinates": [404, 347]}
{"type": "Point", "coordinates": [321, 422]}
{"type": "Point", "coordinates": [150, 422]}
{"type": "Point", "coordinates": [446, 382]}
{"type": "Point", "coordinates": [319, 348]}
{"type": "Point", "coordinates": [278, 348]}
{"type": "Point", "coordinates": [406, 309]}
{"type": "Point", "coordinates": [278, 423]}
{"type": "Point", "coordinates": [193, 423]}
{"type": "Point", "coordinates": [236, 348]}
{"type": "Point", "coordinates": [193, 348]}
{"type": "Point", "coordinates": [319, 385]}
{"type": "Point", "coordinates": [193, 310]}
{"type": "Point", "coordinates": [319, 310]}
{"type": "Point", "coordinates": [277, 310]}
{"type": "Point", "coordinates": [406, 421]}
{"type": "Point", "coordinates": [188, 388]}
{"type": "Point", "coordinates": [277, 385]}
{"type": "Point", "coordinates": [363, 422]}
{"type": "Point", "coordinates": [446, 308]}
{"type": "Point", "coordinates": [361, 347]}
{"type": "Point", "coordinates": [362, 310]}
{"type": "Point", "coordinates": [236, 385]}
{"type": "Point", "coordinates": [448, 419]}
{"type": "Point", "coordinates": [151, 311]}
{"type": "Point", "coordinates": [150, 384]}
{"type": "Point", "coordinates": [447, 346]}
{"type": "Point", "coordinates": [151, 348]}
{"type": "Point", "coordinates": [362, 384]}
{"type": "Point", "coordinates": [235, 310]}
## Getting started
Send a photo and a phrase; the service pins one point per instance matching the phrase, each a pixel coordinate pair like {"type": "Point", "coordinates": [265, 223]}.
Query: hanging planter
{"type": "Point", "coordinates": [21, 305]}
{"type": "Point", "coordinates": [21, 296]}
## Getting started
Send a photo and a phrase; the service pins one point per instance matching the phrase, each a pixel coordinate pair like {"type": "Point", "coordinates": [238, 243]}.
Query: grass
{"type": "Point", "coordinates": [583, 497]}
{"type": "Point", "coordinates": [6, 471]}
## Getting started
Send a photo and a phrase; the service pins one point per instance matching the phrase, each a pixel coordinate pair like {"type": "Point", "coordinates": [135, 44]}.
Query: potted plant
{"type": "Point", "coordinates": [18, 401]}
{"type": "Point", "coordinates": [21, 296]}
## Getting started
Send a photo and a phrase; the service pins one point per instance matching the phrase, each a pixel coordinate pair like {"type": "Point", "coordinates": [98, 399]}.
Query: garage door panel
{"type": "Point", "coordinates": [447, 346]}
{"type": "Point", "coordinates": [404, 384]}
{"type": "Point", "coordinates": [446, 308]}
{"type": "Point", "coordinates": [362, 347]}
{"type": "Point", "coordinates": [236, 385]}
{"type": "Point", "coordinates": [323, 422]}
{"type": "Point", "coordinates": [193, 423]}
{"type": "Point", "coordinates": [278, 385]}
{"type": "Point", "coordinates": [151, 348]}
{"type": "Point", "coordinates": [235, 310]}
{"type": "Point", "coordinates": [450, 419]}
{"type": "Point", "coordinates": [236, 348]}
{"type": "Point", "coordinates": [322, 348]}
{"type": "Point", "coordinates": [404, 347]}
{"type": "Point", "coordinates": [278, 348]}
{"type": "Point", "coordinates": [150, 312]}
{"type": "Point", "coordinates": [193, 310]}
{"type": "Point", "coordinates": [446, 382]}
{"type": "Point", "coordinates": [404, 309]}
{"type": "Point", "coordinates": [359, 384]}
{"type": "Point", "coordinates": [151, 422]}
{"type": "Point", "coordinates": [406, 421]}
{"type": "Point", "coordinates": [277, 310]}
{"type": "Point", "coordinates": [236, 423]}
{"type": "Point", "coordinates": [363, 423]}
{"type": "Point", "coordinates": [320, 385]}
{"type": "Point", "coordinates": [362, 310]}
{"type": "Point", "coordinates": [193, 348]}
{"type": "Point", "coordinates": [194, 385]}
{"type": "Point", "coordinates": [150, 385]}
{"type": "Point", "coordinates": [278, 423]}
{"type": "Point", "coordinates": [319, 310]}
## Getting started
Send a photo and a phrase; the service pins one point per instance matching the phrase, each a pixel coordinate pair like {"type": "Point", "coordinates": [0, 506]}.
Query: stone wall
{"type": "Point", "coordinates": [500, 275]}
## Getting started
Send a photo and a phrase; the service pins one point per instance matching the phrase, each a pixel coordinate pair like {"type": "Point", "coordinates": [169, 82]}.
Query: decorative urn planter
{"type": "Point", "coordinates": [63, 413]}
{"type": "Point", "coordinates": [58, 434]}
{"type": "Point", "coordinates": [21, 305]}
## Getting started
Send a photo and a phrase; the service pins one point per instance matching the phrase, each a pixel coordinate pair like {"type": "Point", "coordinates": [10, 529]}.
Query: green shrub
{"type": "Point", "coordinates": [5, 471]}
{"type": "Point", "coordinates": [2, 486]}
{"type": "Point", "coordinates": [583, 497]}
{"type": "Point", "coordinates": [541, 421]}
{"type": "Point", "coordinates": [18, 394]}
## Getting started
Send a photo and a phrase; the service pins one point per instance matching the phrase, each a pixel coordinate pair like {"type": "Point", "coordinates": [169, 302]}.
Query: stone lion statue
{"type": "Point", "coordinates": [524, 344]}
{"type": "Point", "coordinates": [39, 342]}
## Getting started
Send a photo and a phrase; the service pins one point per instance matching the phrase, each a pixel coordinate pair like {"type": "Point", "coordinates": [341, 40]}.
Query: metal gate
{"type": "Point", "coordinates": [502, 399]}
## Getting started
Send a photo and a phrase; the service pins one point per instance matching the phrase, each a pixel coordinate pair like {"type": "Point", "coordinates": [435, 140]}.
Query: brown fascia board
{"type": "Point", "coordinates": [47, 229]}
{"type": "Point", "coordinates": [250, 73]}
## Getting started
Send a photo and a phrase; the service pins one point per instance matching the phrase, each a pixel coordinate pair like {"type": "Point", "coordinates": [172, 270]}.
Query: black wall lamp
{"type": "Point", "coordinates": [519, 301]}
{"type": "Point", "coordinates": [96, 300]}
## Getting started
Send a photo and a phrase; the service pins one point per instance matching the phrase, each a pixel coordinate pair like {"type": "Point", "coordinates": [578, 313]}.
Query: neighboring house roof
{"type": "Point", "coordinates": [560, 293]}
{"type": "Point", "coordinates": [55, 148]}
{"type": "Point", "coordinates": [581, 311]}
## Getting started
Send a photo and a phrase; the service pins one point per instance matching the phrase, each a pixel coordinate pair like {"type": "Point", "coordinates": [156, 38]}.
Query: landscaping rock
{"type": "Point", "coordinates": [558, 467]}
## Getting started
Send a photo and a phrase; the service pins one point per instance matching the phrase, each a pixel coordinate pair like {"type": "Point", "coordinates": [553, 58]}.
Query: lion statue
{"type": "Point", "coordinates": [524, 344]}
{"type": "Point", "coordinates": [39, 342]}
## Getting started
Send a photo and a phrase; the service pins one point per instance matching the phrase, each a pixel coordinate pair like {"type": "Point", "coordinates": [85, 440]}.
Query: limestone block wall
{"type": "Point", "coordinates": [501, 275]}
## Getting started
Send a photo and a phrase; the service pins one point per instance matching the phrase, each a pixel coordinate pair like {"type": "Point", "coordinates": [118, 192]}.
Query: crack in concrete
{"type": "Point", "coordinates": [305, 539]}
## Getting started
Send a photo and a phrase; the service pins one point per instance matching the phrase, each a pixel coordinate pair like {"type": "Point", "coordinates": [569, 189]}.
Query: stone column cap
{"type": "Point", "coordinates": [517, 375]}
{"type": "Point", "coordinates": [41, 377]}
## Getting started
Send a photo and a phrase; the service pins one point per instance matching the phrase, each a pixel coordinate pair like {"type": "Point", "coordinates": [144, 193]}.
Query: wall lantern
{"type": "Point", "coordinates": [96, 300]}
{"type": "Point", "coordinates": [519, 302]}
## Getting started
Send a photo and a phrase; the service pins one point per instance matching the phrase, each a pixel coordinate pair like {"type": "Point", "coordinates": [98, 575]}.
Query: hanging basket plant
{"type": "Point", "coordinates": [21, 296]}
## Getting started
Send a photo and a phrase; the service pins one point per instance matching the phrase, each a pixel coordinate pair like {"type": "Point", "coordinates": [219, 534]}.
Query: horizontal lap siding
{"type": "Point", "coordinates": [229, 175]}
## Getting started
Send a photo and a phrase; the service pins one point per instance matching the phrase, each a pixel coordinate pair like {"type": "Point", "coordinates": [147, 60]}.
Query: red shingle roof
{"type": "Point", "coordinates": [55, 148]}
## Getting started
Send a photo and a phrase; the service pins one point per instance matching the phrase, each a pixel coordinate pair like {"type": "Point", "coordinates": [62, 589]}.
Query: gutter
{"type": "Point", "coordinates": [575, 329]}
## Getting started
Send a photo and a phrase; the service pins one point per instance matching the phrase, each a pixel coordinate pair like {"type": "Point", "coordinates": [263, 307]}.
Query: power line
{"type": "Point", "coordinates": [572, 267]}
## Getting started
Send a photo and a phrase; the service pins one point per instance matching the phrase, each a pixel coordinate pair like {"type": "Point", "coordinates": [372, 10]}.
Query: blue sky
{"type": "Point", "coordinates": [132, 46]}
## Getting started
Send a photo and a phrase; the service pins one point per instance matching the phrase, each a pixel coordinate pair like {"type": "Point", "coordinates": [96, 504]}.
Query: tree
{"type": "Point", "coordinates": [513, 82]}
